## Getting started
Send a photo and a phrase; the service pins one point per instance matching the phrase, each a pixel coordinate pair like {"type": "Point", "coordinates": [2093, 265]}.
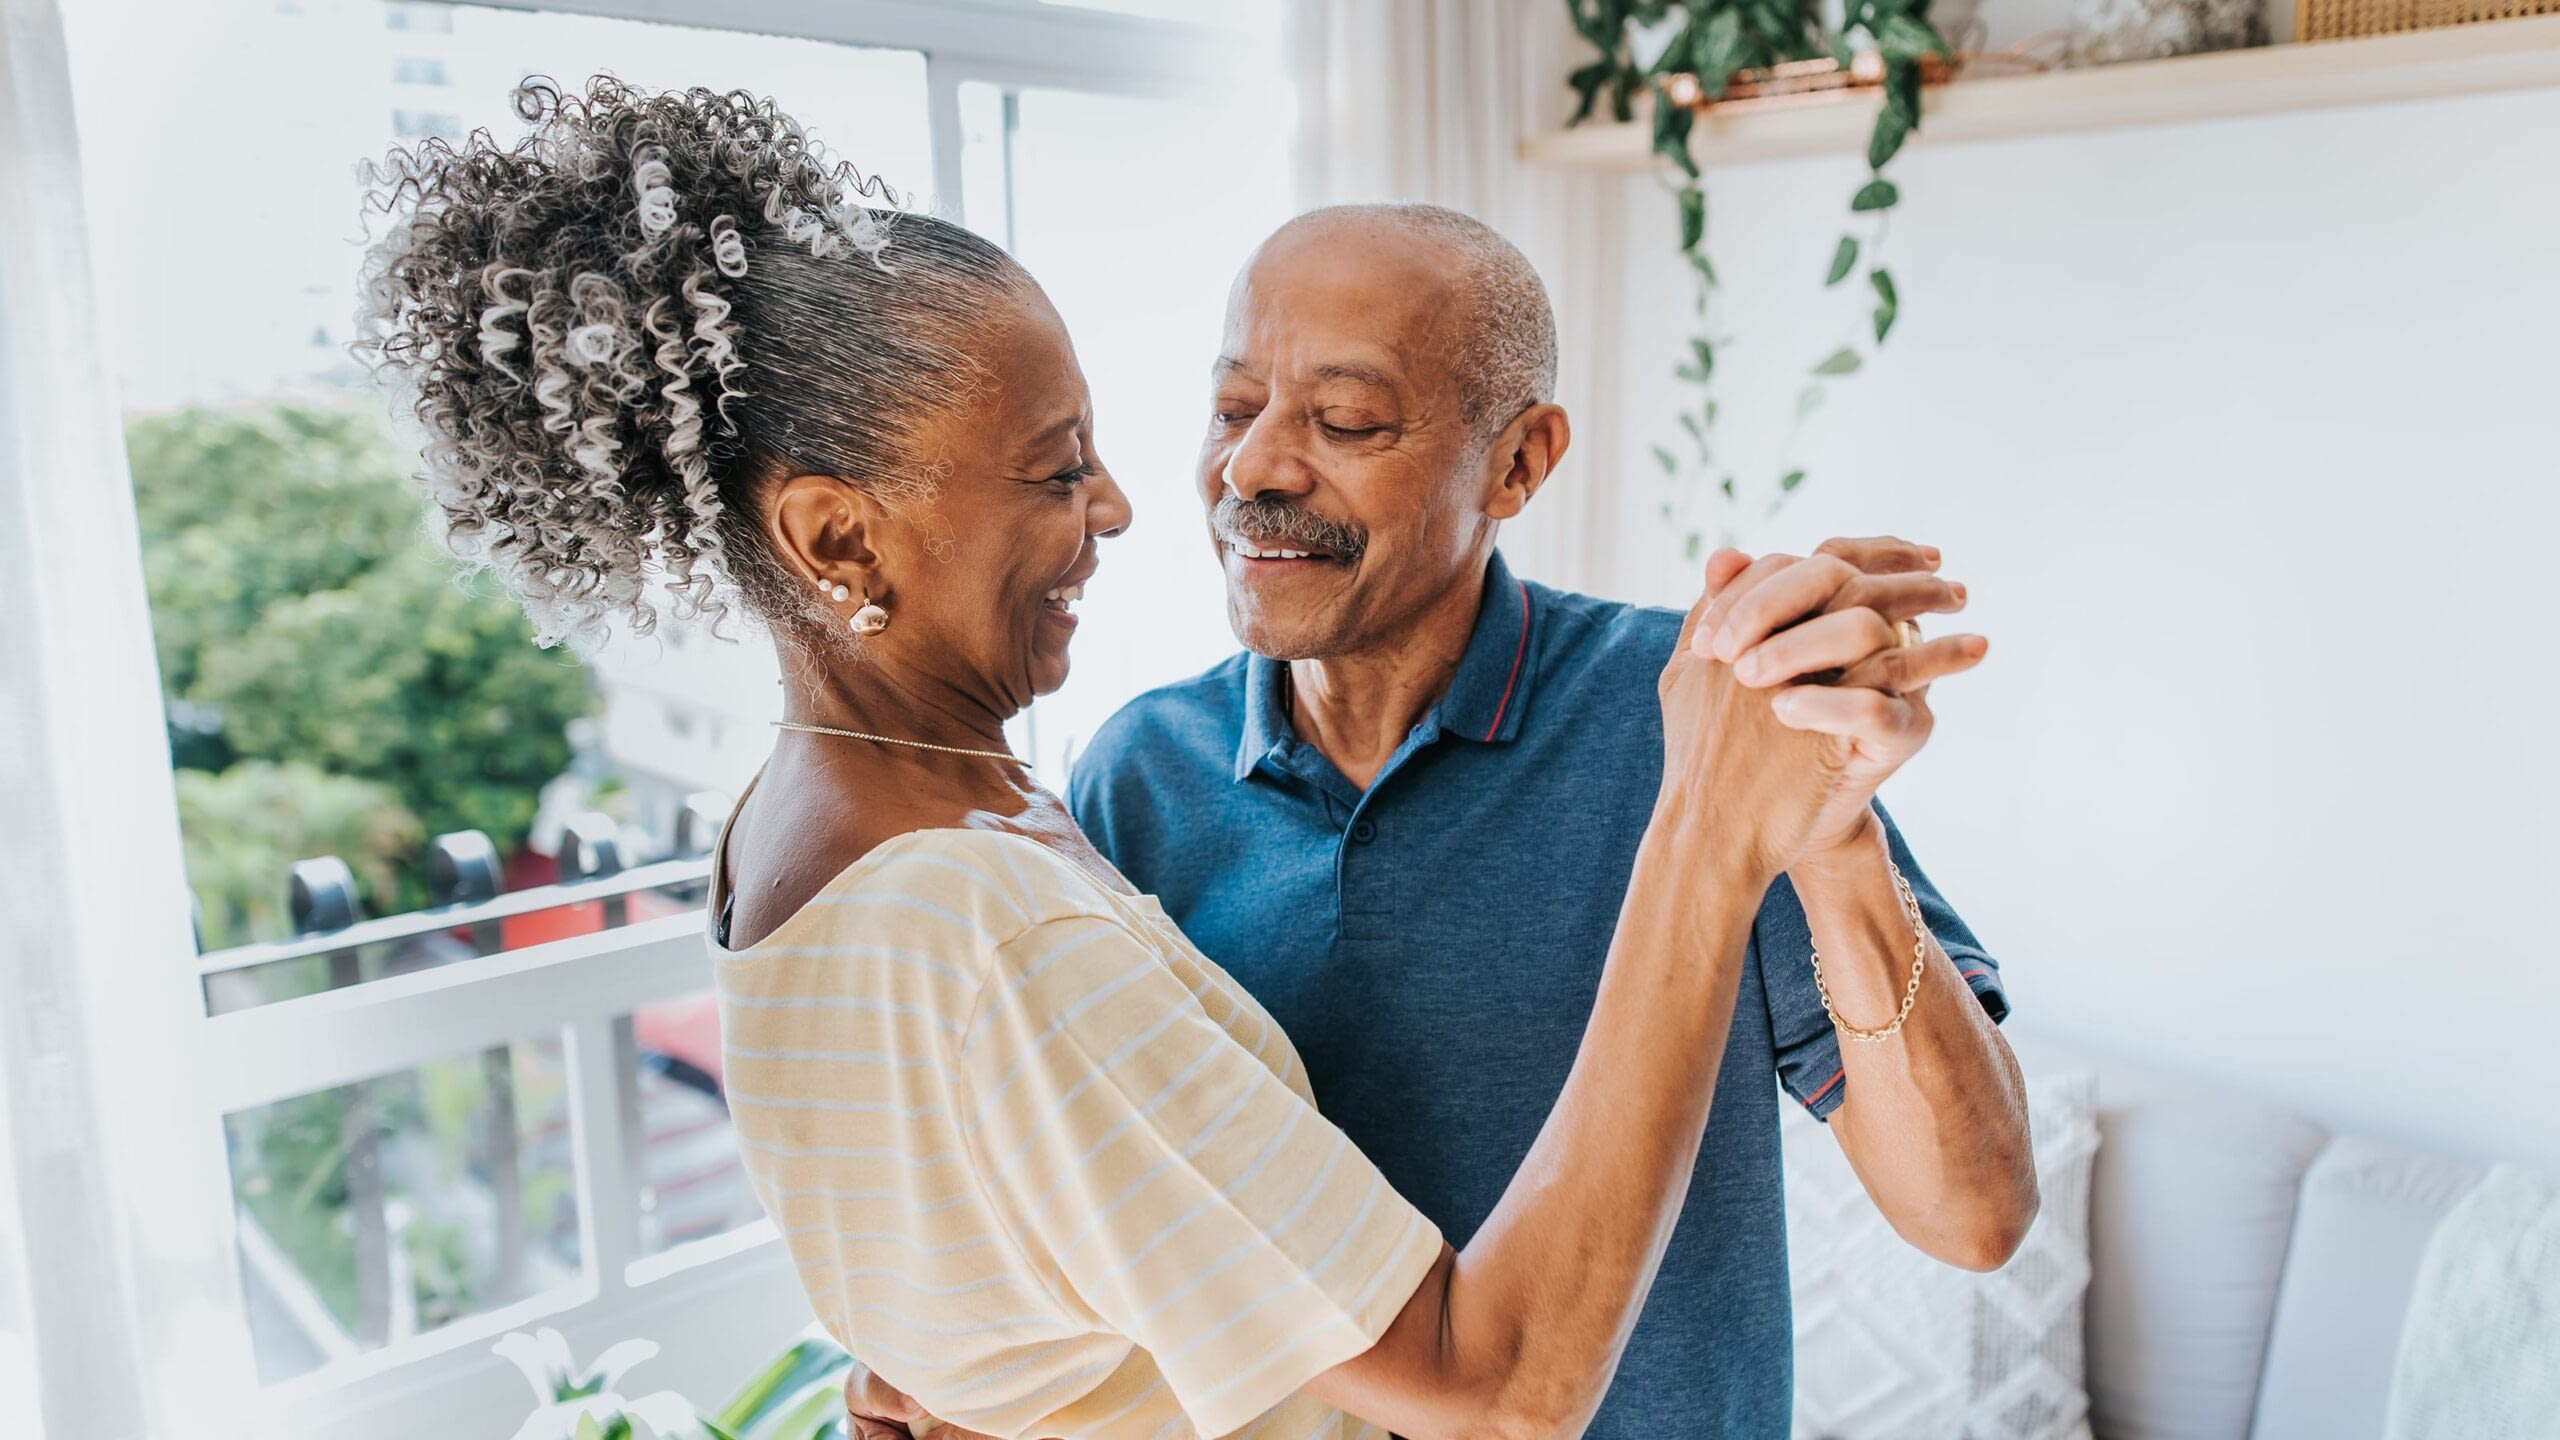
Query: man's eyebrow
{"type": "Point", "coordinates": [1361, 374]}
{"type": "Point", "coordinates": [1226, 365]}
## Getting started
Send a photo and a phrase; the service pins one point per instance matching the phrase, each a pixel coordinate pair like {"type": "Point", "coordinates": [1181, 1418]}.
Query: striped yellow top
{"type": "Point", "coordinates": [1042, 1164]}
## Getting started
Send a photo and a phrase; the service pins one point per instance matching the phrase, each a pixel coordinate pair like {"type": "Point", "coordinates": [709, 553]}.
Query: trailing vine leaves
{"type": "Point", "coordinates": [1713, 40]}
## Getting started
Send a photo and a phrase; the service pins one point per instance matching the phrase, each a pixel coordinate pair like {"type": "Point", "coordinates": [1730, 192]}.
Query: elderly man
{"type": "Point", "coordinates": [1405, 819]}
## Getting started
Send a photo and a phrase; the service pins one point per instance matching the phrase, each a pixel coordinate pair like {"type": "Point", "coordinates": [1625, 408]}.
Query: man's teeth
{"type": "Point", "coordinates": [1064, 596]}
{"type": "Point", "coordinates": [1250, 553]}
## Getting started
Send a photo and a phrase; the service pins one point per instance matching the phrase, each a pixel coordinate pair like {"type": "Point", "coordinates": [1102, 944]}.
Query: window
{"type": "Point", "coordinates": [418, 15]}
{"type": "Point", "coordinates": [424, 124]}
{"type": "Point", "coordinates": [453, 1066]}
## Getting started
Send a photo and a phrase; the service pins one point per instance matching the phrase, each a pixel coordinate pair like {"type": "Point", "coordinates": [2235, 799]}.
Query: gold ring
{"type": "Point", "coordinates": [1906, 633]}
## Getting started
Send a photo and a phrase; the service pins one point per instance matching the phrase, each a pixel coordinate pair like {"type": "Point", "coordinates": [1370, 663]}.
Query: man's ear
{"type": "Point", "coordinates": [823, 529]}
{"type": "Point", "coordinates": [1523, 456]}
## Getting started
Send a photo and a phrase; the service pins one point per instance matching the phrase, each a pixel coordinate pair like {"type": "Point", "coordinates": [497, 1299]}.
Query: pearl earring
{"type": "Point", "coordinates": [870, 619]}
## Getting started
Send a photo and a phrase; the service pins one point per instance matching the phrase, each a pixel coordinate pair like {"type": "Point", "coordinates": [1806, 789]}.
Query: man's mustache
{"type": "Point", "coordinates": [1269, 522]}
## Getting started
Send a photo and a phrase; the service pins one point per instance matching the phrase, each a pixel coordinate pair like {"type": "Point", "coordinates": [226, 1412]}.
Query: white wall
{"type": "Point", "coordinates": [2243, 434]}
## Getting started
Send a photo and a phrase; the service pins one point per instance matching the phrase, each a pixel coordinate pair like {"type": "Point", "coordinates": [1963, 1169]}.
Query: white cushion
{"type": "Point", "coordinates": [1893, 1345]}
{"type": "Point", "coordinates": [2190, 1210]}
{"type": "Point", "coordinates": [2366, 1214]}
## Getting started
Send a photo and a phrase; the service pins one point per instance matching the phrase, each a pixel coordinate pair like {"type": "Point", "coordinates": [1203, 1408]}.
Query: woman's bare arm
{"type": "Point", "coordinates": [1519, 1334]}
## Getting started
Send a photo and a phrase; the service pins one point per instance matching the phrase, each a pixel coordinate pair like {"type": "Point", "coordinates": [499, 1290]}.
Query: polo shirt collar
{"type": "Point", "coordinates": [1486, 697]}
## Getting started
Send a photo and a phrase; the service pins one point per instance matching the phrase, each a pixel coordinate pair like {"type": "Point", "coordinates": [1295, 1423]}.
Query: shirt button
{"type": "Point", "coordinates": [1363, 831]}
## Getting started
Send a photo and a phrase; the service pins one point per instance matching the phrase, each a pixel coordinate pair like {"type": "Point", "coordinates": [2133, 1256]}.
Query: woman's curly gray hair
{"type": "Point", "coordinates": [618, 329]}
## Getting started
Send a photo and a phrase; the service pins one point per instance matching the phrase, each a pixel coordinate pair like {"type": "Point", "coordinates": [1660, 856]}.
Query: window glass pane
{"type": "Point", "coordinates": [691, 1184]}
{"type": "Point", "coordinates": [331, 691]}
{"type": "Point", "coordinates": [386, 1209]}
{"type": "Point", "coordinates": [1135, 214]}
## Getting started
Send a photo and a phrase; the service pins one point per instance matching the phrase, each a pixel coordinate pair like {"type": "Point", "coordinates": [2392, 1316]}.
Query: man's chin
{"type": "Point", "coordinates": [1282, 637]}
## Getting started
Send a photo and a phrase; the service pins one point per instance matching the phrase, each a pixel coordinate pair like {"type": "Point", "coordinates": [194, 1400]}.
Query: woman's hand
{"type": "Point", "coordinates": [878, 1410]}
{"type": "Point", "coordinates": [1821, 633]}
{"type": "Point", "coordinates": [1730, 769]}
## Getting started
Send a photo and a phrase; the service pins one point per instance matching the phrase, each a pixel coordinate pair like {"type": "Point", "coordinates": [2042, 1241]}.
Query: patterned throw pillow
{"type": "Point", "coordinates": [1893, 1345]}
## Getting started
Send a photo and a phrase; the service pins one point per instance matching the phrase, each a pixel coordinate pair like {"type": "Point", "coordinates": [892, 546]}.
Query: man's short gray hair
{"type": "Point", "coordinates": [1507, 338]}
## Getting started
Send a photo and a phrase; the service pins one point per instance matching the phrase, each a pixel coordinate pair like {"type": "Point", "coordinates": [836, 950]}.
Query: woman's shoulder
{"type": "Point", "coordinates": [945, 886]}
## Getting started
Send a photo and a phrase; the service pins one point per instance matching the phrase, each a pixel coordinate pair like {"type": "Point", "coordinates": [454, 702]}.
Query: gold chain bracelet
{"type": "Point", "coordinates": [1910, 992]}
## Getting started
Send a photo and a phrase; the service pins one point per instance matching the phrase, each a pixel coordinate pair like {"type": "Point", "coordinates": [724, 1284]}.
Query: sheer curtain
{"type": "Point", "coordinates": [114, 1264]}
{"type": "Point", "coordinates": [1428, 100]}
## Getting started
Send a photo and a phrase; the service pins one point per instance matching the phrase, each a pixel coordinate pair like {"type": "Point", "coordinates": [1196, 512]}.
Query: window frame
{"type": "Point", "coordinates": [161, 1073]}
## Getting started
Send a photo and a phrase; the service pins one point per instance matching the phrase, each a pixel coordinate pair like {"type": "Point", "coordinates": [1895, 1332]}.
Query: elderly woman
{"type": "Point", "coordinates": [1040, 1163]}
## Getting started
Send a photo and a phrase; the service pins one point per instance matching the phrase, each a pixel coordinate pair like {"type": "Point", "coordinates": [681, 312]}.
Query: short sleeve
{"type": "Point", "coordinates": [1808, 1048]}
{"type": "Point", "coordinates": [1166, 1178]}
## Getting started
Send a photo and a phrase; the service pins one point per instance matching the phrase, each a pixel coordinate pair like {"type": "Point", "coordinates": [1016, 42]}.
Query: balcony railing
{"type": "Point", "coordinates": [467, 927]}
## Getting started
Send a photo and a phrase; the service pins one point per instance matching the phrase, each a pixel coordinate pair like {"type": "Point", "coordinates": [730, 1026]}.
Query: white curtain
{"type": "Point", "coordinates": [1428, 100]}
{"type": "Point", "coordinates": [116, 1312]}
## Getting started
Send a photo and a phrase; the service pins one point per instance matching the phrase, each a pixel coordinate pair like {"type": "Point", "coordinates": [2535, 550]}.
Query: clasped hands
{"type": "Point", "coordinates": [1841, 689]}
{"type": "Point", "coordinates": [1850, 699]}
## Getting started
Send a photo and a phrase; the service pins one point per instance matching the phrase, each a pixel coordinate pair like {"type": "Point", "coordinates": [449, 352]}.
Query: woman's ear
{"type": "Point", "coordinates": [823, 529]}
{"type": "Point", "coordinates": [1523, 456]}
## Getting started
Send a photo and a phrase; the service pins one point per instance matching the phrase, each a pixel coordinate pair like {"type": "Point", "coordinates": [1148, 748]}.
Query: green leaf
{"type": "Point", "coordinates": [1693, 219]}
{"type": "Point", "coordinates": [1790, 481]}
{"type": "Point", "coordinates": [1886, 139]}
{"type": "Point", "coordinates": [819, 1413]}
{"type": "Point", "coordinates": [1726, 485]}
{"type": "Point", "coordinates": [1876, 195]}
{"type": "Point", "coordinates": [807, 1363]}
{"type": "Point", "coordinates": [1586, 82]}
{"type": "Point", "coordinates": [1622, 95]}
{"type": "Point", "coordinates": [1843, 361]}
{"type": "Point", "coordinates": [1808, 400]}
{"type": "Point", "coordinates": [1689, 423]}
{"type": "Point", "coordinates": [1689, 549]}
{"type": "Point", "coordinates": [1902, 93]}
{"type": "Point", "coordinates": [1663, 458]}
{"type": "Point", "coordinates": [1671, 134]}
{"type": "Point", "coordinates": [1843, 260]}
{"type": "Point", "coordinates": [1905, 38]}
{"type": "Point", "coordinates": [1882, 279]}
{"type": "Point", "coordinates": [1705, 355]}
{"type": "Point", "coordinates": [716, 1432]}
{"type": "Point", "coordinates": [1717, 50]}
{"type": "Point", "coordinates": [1675, 54]}
{"type": "Point", "coordinates": [1699, 262]}
{"type": "Point", "coordinates": [1888, 304]}
{"type": "Point", "coordinates": [588, 1429]}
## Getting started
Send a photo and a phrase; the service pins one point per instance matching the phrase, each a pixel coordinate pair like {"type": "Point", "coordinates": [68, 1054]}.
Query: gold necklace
{"type": "Point", "coordinates": [894, 740]}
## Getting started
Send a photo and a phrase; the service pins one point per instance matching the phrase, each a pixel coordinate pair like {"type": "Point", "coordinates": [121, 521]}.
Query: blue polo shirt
{"type": "Point", "coordinates": [1433, 946]}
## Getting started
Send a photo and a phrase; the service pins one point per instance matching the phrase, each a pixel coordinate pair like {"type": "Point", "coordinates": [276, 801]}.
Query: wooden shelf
{"type": "Point", "coordinates": [2465, 60]}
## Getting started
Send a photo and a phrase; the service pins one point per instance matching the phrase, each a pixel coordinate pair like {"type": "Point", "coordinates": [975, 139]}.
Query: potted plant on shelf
{"type": "Point", "coordinates": [1717, 51]}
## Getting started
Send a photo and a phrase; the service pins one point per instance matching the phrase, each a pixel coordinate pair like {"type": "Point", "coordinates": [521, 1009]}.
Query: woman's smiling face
{"type": "Point", "coordinates": [982, 580]}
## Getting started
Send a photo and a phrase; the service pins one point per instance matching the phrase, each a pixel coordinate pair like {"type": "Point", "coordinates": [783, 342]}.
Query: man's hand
{"type": "Point", "coordinates": [880, 1411]}
{"type": "Point", "coordinates": [1831, 620]}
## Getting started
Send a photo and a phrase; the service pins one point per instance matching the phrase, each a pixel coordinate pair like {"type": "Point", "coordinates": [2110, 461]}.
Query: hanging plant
{"type": "Point", "coordinates": [1718, 47]}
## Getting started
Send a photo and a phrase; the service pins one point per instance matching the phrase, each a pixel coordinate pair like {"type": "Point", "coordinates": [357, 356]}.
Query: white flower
{"type": "Point", "coordinates": [564, 1394]}
{"type": "Point", "coordinates": [543, 1358]}
{"type": "Point", "coordinates": [663, 1414]}
{"type": "Point", "coordinates": [615, 1363]}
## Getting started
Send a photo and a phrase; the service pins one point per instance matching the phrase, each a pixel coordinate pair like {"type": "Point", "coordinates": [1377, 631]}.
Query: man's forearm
{"type": "Point", "coordinates": [1934, 1118]}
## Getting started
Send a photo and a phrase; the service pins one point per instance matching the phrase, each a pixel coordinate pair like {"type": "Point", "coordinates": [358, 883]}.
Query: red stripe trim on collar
{"type": "Point", "coordinates": [1516, 655]}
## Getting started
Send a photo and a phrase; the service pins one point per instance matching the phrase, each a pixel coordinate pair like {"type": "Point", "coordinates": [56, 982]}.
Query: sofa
{"type": "Point", "coordinates": [2248, 1269]}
